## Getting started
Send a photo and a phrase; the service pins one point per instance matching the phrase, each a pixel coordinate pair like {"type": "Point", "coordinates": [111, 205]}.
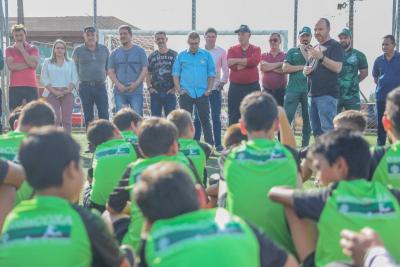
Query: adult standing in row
{"type": "Point", "coordinates": [91, 59]}
{"type": "Point", "coordinates": [386, 76]}
{"type": "Point", "coordinates": [296, 90]}
{"type": "Point", "coordinates": [159, 80]}
{"type": "Point", "coordinates": [324, 65]}
{"type": "Point", "coordinates": [354, 71]}
{"type": "Point", "coordinates": [243, 60]}
{"type": "Point", "coordinates": [127, 68]}
{"type": "Point", "coordinates": [22, 59]}
{"type": "Point", "coordinates": [59, 77]}
{"type": "Point", "coordinates": [274, 80]}
{"type": "Point", "coordinates": [194, 73]}
{"type": "Point", "coordinates": [221, 78]}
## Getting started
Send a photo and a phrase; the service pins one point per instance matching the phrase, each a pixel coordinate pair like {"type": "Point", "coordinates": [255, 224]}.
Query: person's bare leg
{"type": "Point", "coordinates": [304, 234]}
{"type": "Point", "coordinates": [7, 198]}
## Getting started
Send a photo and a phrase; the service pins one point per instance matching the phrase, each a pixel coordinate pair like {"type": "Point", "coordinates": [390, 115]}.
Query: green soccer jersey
{"type": "Point", "coordinates": [110, 161]}
{"type": "Point", "coordinates": [9, 147]}
{"type": "Point", "coordinates": [387, 169]}
{"type": "Point", "coordinates": [297, 80]}
{"type": "Point", "coordinates": [250, 171]}
{"type": "Point", "coordinates": [130, 137]}
{"type": "Point", "coordinates": [192, 149]}
{"type": "Point", "coordinates": [354, 61]}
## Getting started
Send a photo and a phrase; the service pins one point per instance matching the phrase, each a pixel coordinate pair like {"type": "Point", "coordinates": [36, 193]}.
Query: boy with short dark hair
{"type": "Point", "coordinates": [198, 152]}
{"type": "Point", "coordinates": [110, 160]}
{"type": "Point", "coordinates": [172, 204]}
{"type": "Point", "coordinates": [341, 159]}
{"type": "Point", "coordinates": [128, 122]}
{"type": "Point", "coordinates": [50, 227]}
{"type": "Point", "coordinates": [257, 165]}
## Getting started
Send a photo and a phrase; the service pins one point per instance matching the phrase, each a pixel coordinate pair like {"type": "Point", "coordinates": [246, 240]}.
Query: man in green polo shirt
{"type": "Point", "coordinates": [297, 89]}
{"type": "Point", "coordinates": [354, 71]}
{"type": "Point", "coordinates": [35, 114]}
{"type": "Point", "coordinates": [197, 151]}
{"type": "Point", "coordinates": [111, 158]}
{"type": "Point", "coordinates": [49, 230]}
{"type": "Point", "coordinates": [255, 166]}
{"type": "Point", "coordinates": [128, 123]}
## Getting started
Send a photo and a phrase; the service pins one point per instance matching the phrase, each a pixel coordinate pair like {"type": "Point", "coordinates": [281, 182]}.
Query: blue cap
{"type": "Point", "coordinates": [243, 28]}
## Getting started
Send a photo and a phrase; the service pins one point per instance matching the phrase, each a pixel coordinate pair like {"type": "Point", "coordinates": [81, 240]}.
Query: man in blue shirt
{"type": "Point", "coordinates": [194, 73]}
{"type": "Point", "coordinates": [386, 73]}
{"type": "Point", "coordinates": [127, 68]}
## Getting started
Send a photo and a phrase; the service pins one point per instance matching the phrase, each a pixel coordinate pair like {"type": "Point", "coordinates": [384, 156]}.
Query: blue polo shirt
{"type": "Point", "coordinates": [388, 75]}
{"type": "Point", "coordinates": [194, 71]}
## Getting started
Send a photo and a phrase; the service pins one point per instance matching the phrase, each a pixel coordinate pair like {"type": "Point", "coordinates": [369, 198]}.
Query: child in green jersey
{"type": "Point", "coordinates": [341, 160]}
{"type": "Point", "coordinates": [128, 123]}
{"type": "Point", "coordinates": [50, 227]}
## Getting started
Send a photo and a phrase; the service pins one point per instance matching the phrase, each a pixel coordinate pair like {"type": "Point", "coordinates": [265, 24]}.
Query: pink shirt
{"type": "Point", "coordinates": [25, 77]}
{"type": "Point", "coordinates": [272, 80]}
{"type": "Point", "coordinates": [221, 65]}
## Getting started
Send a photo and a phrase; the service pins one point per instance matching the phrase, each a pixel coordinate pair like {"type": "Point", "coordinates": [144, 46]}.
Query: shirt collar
{"type": "Point", "coordinates": [199, 51]}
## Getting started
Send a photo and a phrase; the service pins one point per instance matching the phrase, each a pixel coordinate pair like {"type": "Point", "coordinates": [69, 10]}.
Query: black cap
{"type": "Point", "coordinates": [243, 28]}
{"type": "Point", "coordinates": [89, 29]}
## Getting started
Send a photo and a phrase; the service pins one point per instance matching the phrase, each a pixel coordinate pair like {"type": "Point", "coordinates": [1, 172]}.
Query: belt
{"type": "Point", "coordinates": [93, 83]}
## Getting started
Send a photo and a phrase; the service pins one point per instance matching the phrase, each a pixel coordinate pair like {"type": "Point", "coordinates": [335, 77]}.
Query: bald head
{"type": "Point", "coordinates": [322, 29]}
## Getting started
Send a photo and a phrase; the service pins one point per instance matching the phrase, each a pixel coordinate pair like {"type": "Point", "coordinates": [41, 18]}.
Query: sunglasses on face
{"type": "Point", "coordinates": [275, 40]}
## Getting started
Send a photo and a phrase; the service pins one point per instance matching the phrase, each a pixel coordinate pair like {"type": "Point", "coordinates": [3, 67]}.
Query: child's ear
{"type": "Point", "coordinates": [201, 196]}
{"type": "Point", "coordinates": [387, 123]}
{"type": "Point", "coordinates": [276, 125]}
{"type": "Point", "coordinates": [243, 128]}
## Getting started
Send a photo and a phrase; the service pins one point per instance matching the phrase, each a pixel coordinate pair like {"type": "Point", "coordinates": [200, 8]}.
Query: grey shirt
{"type": "Point", "coordinates": [91, 66]}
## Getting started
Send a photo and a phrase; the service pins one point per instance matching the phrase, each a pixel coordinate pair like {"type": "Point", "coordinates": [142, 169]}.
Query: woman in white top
{"type": "Point", "coordinates": [60, 77]}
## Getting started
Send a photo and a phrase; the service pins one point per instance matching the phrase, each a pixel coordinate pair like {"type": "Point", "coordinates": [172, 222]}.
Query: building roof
{"type": "Point", "coordinates": [69, 23]}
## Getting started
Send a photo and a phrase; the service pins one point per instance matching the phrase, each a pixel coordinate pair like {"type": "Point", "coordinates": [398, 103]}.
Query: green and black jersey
{"type": "Point", "coordinates": [385, 165]}
{"type": "Point", "coordinates": [49, 231]}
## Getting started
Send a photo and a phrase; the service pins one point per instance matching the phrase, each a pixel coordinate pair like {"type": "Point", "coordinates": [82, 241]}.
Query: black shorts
{"type": "Point", "coordinates": [19, 95]}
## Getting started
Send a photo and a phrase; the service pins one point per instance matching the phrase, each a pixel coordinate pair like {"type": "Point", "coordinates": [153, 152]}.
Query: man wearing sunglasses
{"type": "Point", "coordinates": [273, 79]}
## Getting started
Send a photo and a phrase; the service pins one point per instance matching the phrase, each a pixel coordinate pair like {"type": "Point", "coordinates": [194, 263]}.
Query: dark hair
{"type": "Point", "coordinates": [37, 114]}
{"type": "Point", "coordinates": [393, 109]}
{"type": "Point", "coordinates": [233, 136]}
{"type": "Point", "coordinates": [165, 190]}
{"type": "Point", "coordinates": [125, 117]}
{"type": "Point", "coordinates": [391, 38]}
{"type": "Point", "coordinates": [277, 34]}
{"type": "Point", "coordinates": [327, 22]}
{"type": "Point", "coordinates": [193, 35]}
{"type": "Point", "coordinates": [160, 32]}
{"type": "Point", "coordinates": [352, 120]}
{"type": "Point", "coordinates": [259, 111]}
{"type": "Point", "coordinates": [100, 131]}
{"type": "Point", "coordinates": [45, 153]}
{"type": "Point", "coordinates": [181, 119]}
{"type": "Point", "coordinates": [125, 27]}
{"type": "Point", "coordinates": [211, 30]}
{"type": "Point", "coordinates": [156, 135]}
{"type": "Point", "coordinates": [349, 145]}
{"type": "Point", "coordinates": [14, 116]}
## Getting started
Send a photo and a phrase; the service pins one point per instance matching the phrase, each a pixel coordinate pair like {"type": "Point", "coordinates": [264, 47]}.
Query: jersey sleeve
{"type": "Point", "coordinates": [271, 255]}
{"type": "Point", "coordinates": [337, 53]}
{"type": "Point", "coordinates": [105, 251]}
{"type": "Point", "coordinates": [376, 156]}
{"type": "Point", "coordinates": [120, 196]}
{"type": "Point", "coordinates": [308, 204]}
{"type": "Point", "coordinates": [206, 148]}
{"type": "Point", "coordinates": [296, 156]}
{"type": "Point", "coordinates": [3, 170]}
{"type": "Point", "coordinates": [362, 61]}
{"type": "Point", "coordinates": [288, 57]}
{"type": "Point", "coordinates": [142, 254]}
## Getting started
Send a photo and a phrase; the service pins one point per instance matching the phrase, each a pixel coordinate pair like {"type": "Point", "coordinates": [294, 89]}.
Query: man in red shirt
{"type": "Point", "coordinates": [22, 59]}
{"type": "Point", "coordinates": [273, 79]}
{"type": "Point", "coordinates": [243, 62]}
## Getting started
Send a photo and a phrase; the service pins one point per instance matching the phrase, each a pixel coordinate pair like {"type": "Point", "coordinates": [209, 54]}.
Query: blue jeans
{"type": "Point", "coordinates": [292, 100]}
{"type": "Point", "coordinates": [215, 103]}
{"type": "Point", "coordinates": [322, 111]}
{"type": "Point", "coordinates": [161, 100]}
{"type": "Point", "coordinates": [380, 110]}
{"type": "Point", "coordinates": [135, 101]}
{"type": "Point", "coordinates": [94, 93]}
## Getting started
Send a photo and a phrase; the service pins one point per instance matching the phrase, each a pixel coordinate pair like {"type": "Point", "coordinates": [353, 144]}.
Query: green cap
{"type": "Point", "coordinates": [305, 30]}
{"type": "Point", "coordinates": [346, 32]}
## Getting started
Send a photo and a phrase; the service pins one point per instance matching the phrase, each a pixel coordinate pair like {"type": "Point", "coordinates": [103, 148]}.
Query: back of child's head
{"type": "Point", "coordinates": [346, 144]}
{"type": "Point", "coordinates": [182, 120]}
{"type": "Point", "coordinates": [100, 131]}
{"type": "Point", "coordinates": [14, 117]}
{"type": "Point", "coordinates": [259, 111]}
{"type": "Point", "coordinates": [156, 136]}
{"type": "Point", "coordinates": [124, 118]}
{"type": "Point", "coordinates": [352, 120]}
{"type": "Point", "coordinates": [393, 110]}
{"type": "Point", "coordinates": [165, 190]}
{"type": "Point", "coordinates": [36, 114]}
{"type": "Point", "coordinates": [45, 153]}
{"type": "Point", "coordinates": [233, 136]}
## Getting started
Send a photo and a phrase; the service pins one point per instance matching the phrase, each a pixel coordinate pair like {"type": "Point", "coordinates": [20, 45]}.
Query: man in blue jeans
{"type": "Point", "coordinates": [386, 72]}
{"type": "Point", "coordinates": [127, 68]}
{"type": "Point", "coordinates": [91, 59]}
{"type": "Point", "coordinates": [323, 66]}
{"type": "Point", "coordinates": [160, 83]}
{"type": "Point", "coordinates": [194, 73]}
{"type": "Point", "coordinates": [221, 65]}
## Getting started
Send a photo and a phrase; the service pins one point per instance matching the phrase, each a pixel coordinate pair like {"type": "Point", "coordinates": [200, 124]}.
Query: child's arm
{"type": "Point", "coordinates": [282, 194]}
